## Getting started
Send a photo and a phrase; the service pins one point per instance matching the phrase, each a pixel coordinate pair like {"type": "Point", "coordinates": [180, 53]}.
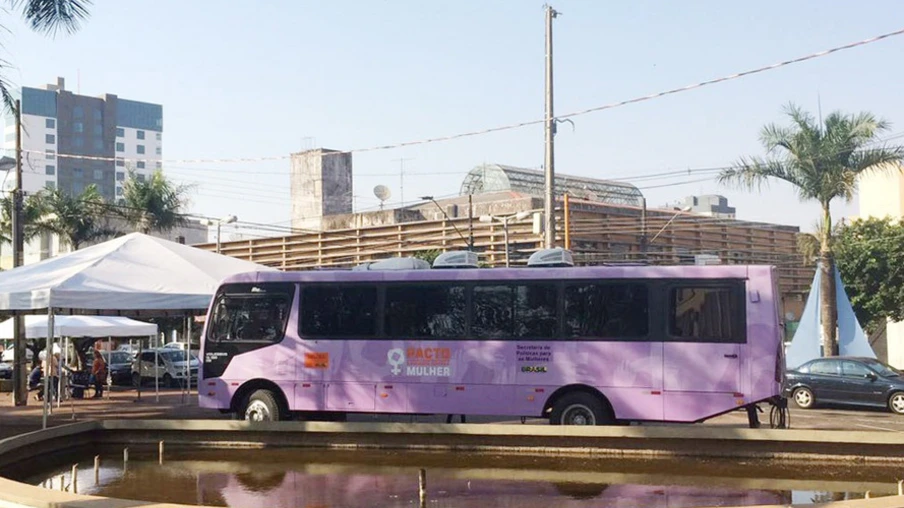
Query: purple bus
{"type": "Point", "coordinates": [577, 345]}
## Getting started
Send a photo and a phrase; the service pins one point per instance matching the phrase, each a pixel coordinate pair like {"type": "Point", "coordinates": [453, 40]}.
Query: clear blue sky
{"type": "Point", "coordinates": [255, 79]}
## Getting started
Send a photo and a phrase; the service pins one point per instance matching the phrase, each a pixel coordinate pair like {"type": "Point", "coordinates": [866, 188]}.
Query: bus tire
{"type": "Point", "coordinates": [579, 408]}
{"type": "Point", "coordinates": [261, 406]}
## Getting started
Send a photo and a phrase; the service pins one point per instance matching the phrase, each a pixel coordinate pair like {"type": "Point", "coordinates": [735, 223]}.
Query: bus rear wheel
{"type": "Point", "coordinates": [579, 408]}
{"type": "Point", "coordinates": [261, 406]}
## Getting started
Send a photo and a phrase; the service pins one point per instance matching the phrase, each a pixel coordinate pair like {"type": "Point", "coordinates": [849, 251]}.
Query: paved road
{"type": "Point", "coordinates": [173, 405]}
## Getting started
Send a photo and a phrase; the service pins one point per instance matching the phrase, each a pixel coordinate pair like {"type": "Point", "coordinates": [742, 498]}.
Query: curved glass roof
{"type": "Point", "coordinates": [498, 178]}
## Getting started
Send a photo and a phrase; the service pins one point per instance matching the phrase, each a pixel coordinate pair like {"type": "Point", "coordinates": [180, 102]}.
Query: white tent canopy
{"type": "Point", "coordinates": [133, 272]}
{"type": "Point", "coordinates": [81, 326]}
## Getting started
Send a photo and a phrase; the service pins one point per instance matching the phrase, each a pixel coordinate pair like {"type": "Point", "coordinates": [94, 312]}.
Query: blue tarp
{"type": "Point", "coordinates": [807, 343]}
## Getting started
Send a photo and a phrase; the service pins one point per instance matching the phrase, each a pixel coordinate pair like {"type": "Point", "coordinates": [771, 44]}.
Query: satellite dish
{"type": "Point", "coordinates": [382, 193]}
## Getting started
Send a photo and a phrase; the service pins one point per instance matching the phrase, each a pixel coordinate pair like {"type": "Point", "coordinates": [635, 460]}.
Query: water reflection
{"type": "Point", "coordinates": [291, 478]}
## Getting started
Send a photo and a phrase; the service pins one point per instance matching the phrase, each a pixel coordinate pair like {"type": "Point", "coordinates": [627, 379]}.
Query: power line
{"type": "Point", "coordinates": [519, 125]}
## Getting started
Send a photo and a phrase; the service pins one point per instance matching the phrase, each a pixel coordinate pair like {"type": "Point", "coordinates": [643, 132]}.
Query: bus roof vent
{"type": "Point", "coordinates": [551, 257]}
{"type": "Point", "coordinates": [456, 259]}
{"type": "Point", "coordinates": [394, 264]}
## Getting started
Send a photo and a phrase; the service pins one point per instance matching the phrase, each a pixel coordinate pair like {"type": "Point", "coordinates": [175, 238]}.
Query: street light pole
{"type": "Point", "coordinates": [443, 210]}
{"type": "Point", "coordinates": [229, 219]}
{"type": "Point", "coordinates": [505, 234]}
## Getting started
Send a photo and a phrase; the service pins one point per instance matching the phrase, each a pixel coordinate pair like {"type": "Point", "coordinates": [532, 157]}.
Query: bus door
{"type": "Point", "coordinates": [336, 322]}
{"type": "Point", "coordinates": [702, 354]}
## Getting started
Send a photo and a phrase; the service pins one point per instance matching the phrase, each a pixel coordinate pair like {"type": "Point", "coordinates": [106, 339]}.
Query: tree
{"type": "Point", "coordinates": [821, 160]}
{"type": "Point", "coordinates": [47, 16]}
{"type": "Point", "coordinates": [870, 258]}
{"type": "Point", "coordinates": [153, 204]}
{"type": "Point", "coordinates": [33, 212]}
{"type": "Point", "coordinates": [77, 219]}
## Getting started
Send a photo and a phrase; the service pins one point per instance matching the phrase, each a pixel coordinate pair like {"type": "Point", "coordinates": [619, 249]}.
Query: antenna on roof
{"type": "Point", "coordinates": [382, 193]}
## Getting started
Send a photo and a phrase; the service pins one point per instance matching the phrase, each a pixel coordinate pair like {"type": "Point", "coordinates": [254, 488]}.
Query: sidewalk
{"type": "Point", "coordinates": [120, 405]}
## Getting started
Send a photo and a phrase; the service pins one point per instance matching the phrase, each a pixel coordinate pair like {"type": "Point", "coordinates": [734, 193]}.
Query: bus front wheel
{"type": "Point", "coordinates": [261, 406]}
{"type": "Point", "coordinates": [579, 408]}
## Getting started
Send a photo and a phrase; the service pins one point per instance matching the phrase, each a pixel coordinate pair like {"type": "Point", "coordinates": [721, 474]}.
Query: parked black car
{"type": "Point", "coordinates": [846, 380]}
{"type": "Point", "coordinates": [120, 365]}
{"type": "Point", "coordinates": [6, 371]}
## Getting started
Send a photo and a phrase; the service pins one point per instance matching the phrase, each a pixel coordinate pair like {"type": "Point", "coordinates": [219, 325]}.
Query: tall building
{"type": "Point", "coordinates": [70, 141]}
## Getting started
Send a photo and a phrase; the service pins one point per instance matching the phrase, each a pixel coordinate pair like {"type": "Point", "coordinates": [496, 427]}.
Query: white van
{"type": "Point", "coordinates": [170, 367]}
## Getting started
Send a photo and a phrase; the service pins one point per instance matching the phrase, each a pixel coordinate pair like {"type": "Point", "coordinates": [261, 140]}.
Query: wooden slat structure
{"type": "Point", "coordinates": [599, 233]}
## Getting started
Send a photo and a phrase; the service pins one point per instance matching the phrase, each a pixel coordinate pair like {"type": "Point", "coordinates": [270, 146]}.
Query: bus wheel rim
{"type": "Point", "coordinates": [257, 411]}
{"type": "Point", "coordinates": [578, 414]}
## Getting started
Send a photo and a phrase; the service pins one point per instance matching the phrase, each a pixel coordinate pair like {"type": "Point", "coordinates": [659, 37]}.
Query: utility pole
{"type": "Point", "coordinates": [550, 131]}
{"type": "Point", "coordinates": [20, 391]}
{"type": "Point", "coordinates": [470, 222]}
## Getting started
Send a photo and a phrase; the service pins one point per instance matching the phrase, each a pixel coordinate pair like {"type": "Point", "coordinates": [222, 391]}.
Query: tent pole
{"type": "Point", "coordinates": [138, 362]}
{"type": "Point", "coordinates": [188, 357]}
{"type": "Point", "coordinates": [109, 372]}
{"type": "Point", "coordinates": [47, 363]}
{"type": "Point", "coordinates": [157, 370]}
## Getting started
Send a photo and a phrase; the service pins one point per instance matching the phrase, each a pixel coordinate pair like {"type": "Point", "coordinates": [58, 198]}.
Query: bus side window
{"type": "Point", "coordinates": [705, 314]}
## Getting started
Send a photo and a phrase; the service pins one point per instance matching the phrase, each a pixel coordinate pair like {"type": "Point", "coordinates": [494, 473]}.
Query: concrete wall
{"type": "Point", "coordinates": [881, 195]}
{"type": "Point", "coordinates": [320, 184]}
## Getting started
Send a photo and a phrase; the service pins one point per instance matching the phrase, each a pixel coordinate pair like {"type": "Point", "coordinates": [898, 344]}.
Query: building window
{"type": "Point", "coordinates": [140, 149]}
{"type": "Point", "coordinates": [158, 165]}
{"type": "Point", "coordinates": [120, 147]}
{"type": "Point", "coordinates": [118, 190]}
{"type": "Point", "coordinates": [50, 154]}
{"type": "Point", "coordinates": [50, 123]}
{"type": "Point", "coordinates": [49, 169]}
{"type": "Point", "coordinates": [78, 127]}
{"type": "Point", "coordinates": [139, 134]}
{"type": "Point", "coordinates": [77, 172]}
{"type": "Point", "coordinates": [50, 139]}
{"type": "Point", "coordinates": [50, 185]}
{"type": "Point", "coordinates": [120, 162]}
{"type": "Point", "coordinates": [98, 174]}
{"type": "Point", "coordinates": [159, 150]}
{"type": "Point", "coordinates": [140, 177]}
{"type": "Point", "coordinates": [159, 136]}
{"type": "Point", "coordinates": [140, 164]}
{"type": "Point", "coordinates": [120, 176]}
{"type": "Point", "coordinates": [120, 132]}
{"type": "Point", "coordinates": [78, 112]}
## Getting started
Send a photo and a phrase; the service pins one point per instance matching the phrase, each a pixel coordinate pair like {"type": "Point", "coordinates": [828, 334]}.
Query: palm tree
{"type": "Point", "coordinates": [47, 16]}
{"type": "Point", "coordinates": [33, 212]}
{"type": "Point", "coordinates": [822, 161]}
{"type": "Point", "coordinates": [77, 219]}
{"type": "Point", "coordinates": [153, 204]}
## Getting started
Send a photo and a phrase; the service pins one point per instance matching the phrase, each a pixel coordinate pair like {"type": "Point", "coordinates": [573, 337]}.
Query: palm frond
{"type": "Point", "coordinates": [52, 16]}
{"type": "Point", "coordinates": [754, 173]}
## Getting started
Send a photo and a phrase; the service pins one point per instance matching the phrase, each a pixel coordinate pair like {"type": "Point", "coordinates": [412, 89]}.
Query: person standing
{"type": "Point", "coordinates": [52, 368]}
{"type": "Point", "coordinates": [98, 373]}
